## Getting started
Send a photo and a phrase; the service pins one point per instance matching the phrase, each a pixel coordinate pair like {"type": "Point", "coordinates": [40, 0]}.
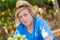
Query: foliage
{"type": "Point", "coordinates": [6, 12]}
{"type": "Point", "coordinates": [5, 4]}
{"type": "Point", "coordinates": [39, 2]}
{"type": "Point", "coordinates": [51, 11]}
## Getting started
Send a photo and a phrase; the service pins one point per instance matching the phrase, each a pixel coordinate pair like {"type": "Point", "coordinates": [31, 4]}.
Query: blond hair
{"type": "Point", "coordinates": [20, 5]}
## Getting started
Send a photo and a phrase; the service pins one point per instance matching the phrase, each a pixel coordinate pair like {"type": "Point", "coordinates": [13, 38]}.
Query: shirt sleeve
{"type": "Point", "coordinates": [44, 28]}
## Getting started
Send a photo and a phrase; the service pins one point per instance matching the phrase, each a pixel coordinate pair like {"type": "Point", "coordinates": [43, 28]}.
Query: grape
{"type": "Point", "coordinates": [10, 38]}
{"type": "Point", "coordinates": [18, 37]}
{"type": "Point", "coordinates": [15, 38]}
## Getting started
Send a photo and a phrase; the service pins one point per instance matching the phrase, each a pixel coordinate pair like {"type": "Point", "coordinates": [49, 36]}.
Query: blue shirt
{"type": "Point", "coordinates": [41, 30]}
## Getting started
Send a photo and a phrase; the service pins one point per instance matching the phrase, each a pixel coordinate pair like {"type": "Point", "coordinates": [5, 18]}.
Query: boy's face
{"type": "Point", "coordinates": [25, 17]}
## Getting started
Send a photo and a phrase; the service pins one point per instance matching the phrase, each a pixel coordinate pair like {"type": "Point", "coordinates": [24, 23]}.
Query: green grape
{"type": "Point", "coordinates": [18, 37]}
{"type": "Point", "coordinates": [10, 38]}
{"type": "Point", "coordinates": [15, 38]}
{"type": "Point", "coordinates": [21, 38]}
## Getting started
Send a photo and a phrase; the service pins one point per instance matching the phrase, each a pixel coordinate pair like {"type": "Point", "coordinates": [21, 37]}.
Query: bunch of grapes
{"type": "Point", "coordinates": [17, 37]}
